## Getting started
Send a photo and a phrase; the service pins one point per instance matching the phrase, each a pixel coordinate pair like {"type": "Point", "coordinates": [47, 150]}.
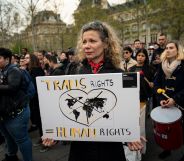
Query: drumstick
{"type": "Point", "coordinates": [162, 91]}
{"type": "Point", "coordinates": [142, 73]}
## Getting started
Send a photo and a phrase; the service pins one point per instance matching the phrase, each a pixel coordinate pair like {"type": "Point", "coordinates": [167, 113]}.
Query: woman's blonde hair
{"type": "Point", "coordinates": [180, 51]}
{"type": "Point", "coordinates": [107, 35]}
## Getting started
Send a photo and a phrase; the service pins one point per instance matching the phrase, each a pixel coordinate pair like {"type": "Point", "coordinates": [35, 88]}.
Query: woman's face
{"type": "Point", "coordinates": [92, 46]}
{"type": "Point", "coordinates": [45, 60]}
{"type": "Point", "coordinates": [62, 57]}
{"type": "Point", "coordinates": [171, 51]}
{"type": "Point", "coordinates": [140, 58]}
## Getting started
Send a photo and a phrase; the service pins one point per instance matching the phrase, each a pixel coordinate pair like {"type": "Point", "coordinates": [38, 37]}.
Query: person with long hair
{"type": "Point", "coordinates": [98, 51]}
{"type": "Point", "coordinates": [146, 74]}
{"type": "Point", "coordinates": [170, 77]}
{"type": "Point", "coordinates": [35, 70]}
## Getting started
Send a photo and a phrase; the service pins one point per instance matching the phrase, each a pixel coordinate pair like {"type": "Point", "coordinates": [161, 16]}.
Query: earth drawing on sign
{"type": "Point", "coordinates": [86, 108]}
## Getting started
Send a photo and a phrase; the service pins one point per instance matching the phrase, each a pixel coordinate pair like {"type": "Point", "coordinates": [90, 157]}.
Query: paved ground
{"type": "Point", "coordinates": [60, 152]}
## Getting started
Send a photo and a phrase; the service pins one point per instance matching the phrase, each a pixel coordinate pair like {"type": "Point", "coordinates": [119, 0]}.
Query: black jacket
{"type": "Point", "coordinates": [95, 151]}
{"type": "Point", "coordinates": [35, 72]}
{"type": "Point", "coordinates": [145, 89]}
{"type": "Point", "coordinates": [12, 98]}
{"type": "Point", "coordinates": [174, 87]}
{"type": "Point", "coordinates": [58, 71]}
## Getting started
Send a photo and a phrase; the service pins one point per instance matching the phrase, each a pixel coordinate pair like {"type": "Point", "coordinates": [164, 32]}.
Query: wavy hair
{"type": "Point", "coordinates": [107, 35]}
{"type": "Point", "coordinates": [180, 51]}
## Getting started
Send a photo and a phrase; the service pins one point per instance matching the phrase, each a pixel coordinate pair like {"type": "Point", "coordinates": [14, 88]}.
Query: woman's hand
{"type": "Point", "coordinates": [137, 145]}
{"type": "Point", "coordinates": [48, 142]}
{"type": "Point", "coordinates": [151, 84]}
{"type": "Point", "coordinates": [167, 103]}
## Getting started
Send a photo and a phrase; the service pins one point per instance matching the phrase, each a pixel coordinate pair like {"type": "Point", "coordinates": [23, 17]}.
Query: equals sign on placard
{"type": "Point", "coordinates": [49, 130]}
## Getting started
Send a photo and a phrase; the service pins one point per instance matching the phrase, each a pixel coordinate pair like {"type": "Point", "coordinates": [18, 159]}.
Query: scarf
{"type": "Point", "coordinates": [169, 68]}
{"type": "Point", "coordinates": [95, 66]}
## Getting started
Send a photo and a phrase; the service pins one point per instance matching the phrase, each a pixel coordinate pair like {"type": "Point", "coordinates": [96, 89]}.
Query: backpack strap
{"type": "Point", "coordinates": [8, 69]}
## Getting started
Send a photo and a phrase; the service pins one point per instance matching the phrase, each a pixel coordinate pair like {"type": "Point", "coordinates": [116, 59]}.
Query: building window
{"type": "Point", "coordinates": [144, 26]}
{"type": "Point", "coordinates": [134, 28]}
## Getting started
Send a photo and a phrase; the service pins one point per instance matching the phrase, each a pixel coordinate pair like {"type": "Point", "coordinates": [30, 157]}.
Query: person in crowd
{"type": "Point", "coordinates": [162, 40]}
{"type": "Point", "coordinates": [150, 52]}
{"type": "Point", "coordinates": [146, 74]}
{"type": "Point", "coordinates": [47, 68]}
{"type": "Point", "coordinates": [64, 58]}
{"type": "Point", "coordinates": [156, 45]}
{"type": "Point", "coordinates": [40, 55]}
{"type": "Point", "coordinates": [22, 63]}
{"type": "Point", "coordinates": [71, 54]}
{"type": "Point", "coordinates": [15, 59]}
{"type": "Point", "coordinates": [98, 51]}
{"type": "Point", "coordinates": [24, 51]}
{"type": "Point", "coordinates": [127, 62]}
{"type": "Point", "coordinates": [35, 70]}
{"type": "Point", "coordinates": [170, 77]}
{"type": "Point", "coordinates": [137, 46]}
{"type": "Point", "coordinates": [14, 110]}
{"type": "Point", "coordinates": [57, 69]}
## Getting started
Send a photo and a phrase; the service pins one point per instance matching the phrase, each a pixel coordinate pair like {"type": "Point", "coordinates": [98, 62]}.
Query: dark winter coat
{"type": "Point", "coordinates": [95, 151]}
{"type": "Point", "coordinates": [174, 86]}
{"type": "Point", "coordinates": [58, 71]}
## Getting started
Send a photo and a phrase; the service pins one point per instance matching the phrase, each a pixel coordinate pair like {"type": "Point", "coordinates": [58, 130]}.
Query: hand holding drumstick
{"type": "Point", "coordinates": [149, 83]}
{"type": "Point", "coordinates": [169, 102]}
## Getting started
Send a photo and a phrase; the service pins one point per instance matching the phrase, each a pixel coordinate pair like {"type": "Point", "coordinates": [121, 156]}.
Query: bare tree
{"type": "Point", "coordinates": [17, 23]}
{"type": "Point", "coordinates": [5, 20]}
{"type": "Point", "coordinates": [30, 6]}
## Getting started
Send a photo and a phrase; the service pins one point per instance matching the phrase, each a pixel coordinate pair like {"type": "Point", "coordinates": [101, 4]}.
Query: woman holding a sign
{"type": "Point", "coordinates": [98, 51]}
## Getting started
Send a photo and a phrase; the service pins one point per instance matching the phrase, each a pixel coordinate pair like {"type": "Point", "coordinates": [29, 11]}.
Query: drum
{"type": "Point", "coordinates": [168, 130]}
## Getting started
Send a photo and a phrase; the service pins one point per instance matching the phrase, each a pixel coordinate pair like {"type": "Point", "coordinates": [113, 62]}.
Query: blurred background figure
{"type": "Point", "coordinates": [62, 56]}
{"type": "Point", "coordinates": [162, 40]}
{"type": "Point", "coordinates": [56, 68]}
{"type": "Point", "coordinates": [150, 52]}
{"type": "Point", "coordinates": [35, 70]}
{"type": "Point", "coordinates": [127, 62]}
{"type": "Point", "coordinates": [47, 68]}
{"type": "Point", "coordinates": [40, 55]}
{"type": "Point", "coordinates": [23, 63]}
{"type": "Point", "coordinates": [24, 51]}
{"type": "Point", "coordinates": [71, 54]}
{"type": "Point", "coordinates": [137, 46]}
{"type": "Point", "coordinates": [15, 59]}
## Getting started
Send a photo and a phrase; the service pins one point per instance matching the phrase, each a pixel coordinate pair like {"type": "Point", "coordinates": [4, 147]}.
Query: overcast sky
{"type": "Point", "coordinates": [65, 7]}
{"type": "Point", "coordinates": [71, 5]}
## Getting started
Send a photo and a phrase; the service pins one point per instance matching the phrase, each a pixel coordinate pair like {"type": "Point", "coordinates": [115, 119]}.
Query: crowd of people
{"type": "Point", "coordinates": [98, 51]}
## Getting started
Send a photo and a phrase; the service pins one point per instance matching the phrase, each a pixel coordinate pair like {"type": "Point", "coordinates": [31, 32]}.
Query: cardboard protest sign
{"type": "Point", "coordinates": [93, 107]}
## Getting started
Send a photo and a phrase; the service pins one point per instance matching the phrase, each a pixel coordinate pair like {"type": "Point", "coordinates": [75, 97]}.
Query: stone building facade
{"type": "Point", "coordinates": [47, 34]}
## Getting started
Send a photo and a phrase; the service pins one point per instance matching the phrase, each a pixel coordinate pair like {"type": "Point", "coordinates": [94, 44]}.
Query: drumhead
{"type": "Point", "coordinates": [166, 115]}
